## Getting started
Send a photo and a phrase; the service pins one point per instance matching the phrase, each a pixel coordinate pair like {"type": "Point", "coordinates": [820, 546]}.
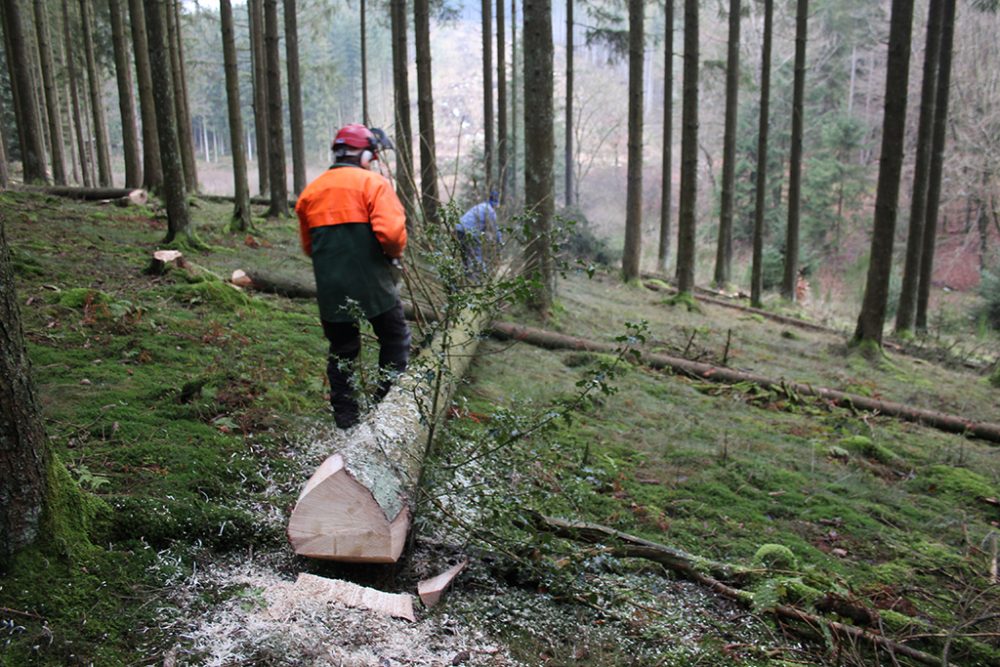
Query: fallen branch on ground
{"type": "Point", "coordinates": [939, 420]}
{"type": "Point", "coordinates": [121, 196]}
{"type": "Point", "coordinates": [694, 569]}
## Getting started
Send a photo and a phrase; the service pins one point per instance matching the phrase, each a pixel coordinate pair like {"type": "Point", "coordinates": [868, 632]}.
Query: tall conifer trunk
{"type": "Point", "coordinates": [687, 220]}
{"type": "Point", "coordinates": [633, 197]}
{"type": "Point", "coordinates": [294, 97]}
{"type": "Point", "coordinates": [365, 117]}
{"type": "Point", "coordinates": [276, 134]}
{"type": "Point", "coordinates": [73, 76]}
{"type": "Point", "coordinates": [760, 185]}
{"type": "Point", "coordinates": [667, 174]}
{"type": "Point", "coordinates": [185, 133]}
{"type": "Point", "coordinates": [791, 276]}
{"type": "Point", "coordinates": [871, 319]}
{"type": "Point", "coordinates": [241, 203]}
{"type": "Point", "coordinates": [568, 153]}
{"type": "Point", "coordinates": [255, 8]}
{"type": "Point", "coordinates": [152, 171]}
{"type": "Point", "coordinates": [96, 98]}
{"type": "Point", "coordinates": [52, 105]}
{"type": "Point", "coordinates": [126, 104]}
{"type": "Point", "coordinates": [539, 148]}
{"type": "Point", "coordinates": [513, 172]}
{"type": "Point", "coordinates": [502, 141]}
{"type": "Point", "coordinates": [22, 86]}
{"type": "Point", "coordinates": [487, 29]}
{"type": "Point", "coordinates": [405, 186]}
{"type": "Point", "coordinates": [429, 196]}
{"type": "Point", "coordinates": [724, 246]}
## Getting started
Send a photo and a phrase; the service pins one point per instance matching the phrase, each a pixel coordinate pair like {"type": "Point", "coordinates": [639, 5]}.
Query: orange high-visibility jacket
{"type": "Point", "coordinates": [348, 194]}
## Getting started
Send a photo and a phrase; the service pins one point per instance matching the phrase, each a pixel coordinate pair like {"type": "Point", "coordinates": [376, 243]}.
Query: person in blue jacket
{"type": "Point", "coordinates": [478, 228]}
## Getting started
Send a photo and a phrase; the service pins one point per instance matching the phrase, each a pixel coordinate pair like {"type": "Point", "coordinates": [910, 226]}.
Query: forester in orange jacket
{"type": "Point", "coordinates": [353, 226]}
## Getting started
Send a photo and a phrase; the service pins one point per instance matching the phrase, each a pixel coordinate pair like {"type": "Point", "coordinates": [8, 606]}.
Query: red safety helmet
{"type": "Point", "coordinates": [355, 135]}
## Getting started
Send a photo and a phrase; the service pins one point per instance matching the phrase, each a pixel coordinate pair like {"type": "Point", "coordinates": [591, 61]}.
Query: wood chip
{"type": "Point", "coordinates": [430, 590]}
{"type": "Point", "coordinates": [397, 605]}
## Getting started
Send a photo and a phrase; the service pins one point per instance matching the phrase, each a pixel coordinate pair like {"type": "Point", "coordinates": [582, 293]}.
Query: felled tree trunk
{"type": "Point", "coordinates": [129, 195]}
{"type": "Point", "coordinates": [357, 505]}
{"type": "Point", "coordinates": [939, 420]}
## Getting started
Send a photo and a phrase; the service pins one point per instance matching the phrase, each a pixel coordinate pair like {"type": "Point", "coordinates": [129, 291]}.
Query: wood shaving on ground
{"type": "Point", "coordinates": [242, 628]}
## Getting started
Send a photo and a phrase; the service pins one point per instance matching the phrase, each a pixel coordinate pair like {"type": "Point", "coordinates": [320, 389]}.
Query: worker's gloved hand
{"type": "Point", "coordinates": [396, 269]}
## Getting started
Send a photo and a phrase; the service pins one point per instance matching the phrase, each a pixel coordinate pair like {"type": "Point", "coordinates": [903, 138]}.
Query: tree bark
{"type": "Point", "coordinates": [134, 195]}
{"type": "Point", "coordinates": [568, 148]}
{"type": "Point", "coordinates": [760, 185]}
{"type": "Point", "coordinates": [939, 420]}
{"type": "Point", "coordinates": [405, 183]}
{"type": "Point", "coordinates": [724, 246]}
{"type": "Point", "coordinates": [276, 133]}
{"type": "Point", "coordinates": [937, 163]}
{"type": "Point", "coordinates": [791, 275]}
{"type": "Point", "coordinates": [365, 117]}
{"type": "Point", "coordinates": [512, 174]}
{"type": "Point", "coordinates": [173, 192]}
{"type": "Point", "coordinates": [502, 157]}
{"type": "Point", "coordinates": [23, 452]}
{"type": "Point", "coordinates": [52, 105]}
{"type": "Point", "coordinates": [429, 196]}
{"type": "Point", "coordinates": [22, 87]}
{"type": "Point", "coordinates": [295, 98]}
{"type": "Point", "coordinates": [4, 174]}
{"type": "Point", "coordinates": [687, 219]}
{"type": "Point", "coordinates": [632, 254]}
{"type": "Point", "coordinates": [72, 75]}
{"type": "Point", "coordinates": [185, 133]}
{"type": "Point", "coordinates": [130, 133]}
{"type": "Point", "coordinates": [151, 169]}
{"type": "Point", "coordinates": [241, 207]}
{"type": "Point", "coordinates": [871, 319]}
{"type": "Point", "coordinates": [906, 311]}
{"type": "Point", "coordinates": [96, 98]}
{"type": "Point", "coordinates": [539, 146]}
{"type": "Point", "coordinates": [667, 173]}
{"type": "Point", "coordinates": [487, 29]}
{"type": "Point", "coordinates": [259, 61]}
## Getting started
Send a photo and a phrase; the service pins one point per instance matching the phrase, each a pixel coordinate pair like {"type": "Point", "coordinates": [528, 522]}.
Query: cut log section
{"type": "Point", "coordinates": [124, 196]}
{"type": "Point", "coordinates": [397, 605]}
{"type": "Point", "coordinates": [431, 590]}
{"type": "Point", "coordinates": [163, 260]}
{"type": "Point", "coordinates": [356, 506]}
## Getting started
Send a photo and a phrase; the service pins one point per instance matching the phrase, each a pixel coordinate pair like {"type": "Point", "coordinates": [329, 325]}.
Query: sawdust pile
{"type": "Point", "coordinates": [262, 620]}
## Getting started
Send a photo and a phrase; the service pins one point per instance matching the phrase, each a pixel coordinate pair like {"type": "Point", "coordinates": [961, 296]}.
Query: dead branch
{"type": "Point", "coordinates": [939, 420]}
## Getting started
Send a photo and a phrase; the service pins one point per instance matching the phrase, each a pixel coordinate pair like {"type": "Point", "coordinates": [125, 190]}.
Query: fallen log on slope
{"type": "Point", "coordinates": [123, 196]}
{"type": "Point", "coordinates": [939, 420]}
{"type": "Point", "coordinates": [357, 505]}
{"type": "Point", "coordinates": [697, 570]}
{"type": "Point", "coordinates": [228, 199]}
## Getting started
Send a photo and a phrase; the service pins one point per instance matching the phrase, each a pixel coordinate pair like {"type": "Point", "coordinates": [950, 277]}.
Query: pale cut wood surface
{"type": "Point", "coordinates": [431, 590]}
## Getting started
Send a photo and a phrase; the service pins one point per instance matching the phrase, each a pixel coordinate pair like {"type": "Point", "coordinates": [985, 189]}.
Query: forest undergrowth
{"type": "Point", "coordinates": [190, 412]}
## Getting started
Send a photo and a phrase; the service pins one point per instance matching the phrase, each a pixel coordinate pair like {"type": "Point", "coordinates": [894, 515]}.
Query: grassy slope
{"type": "Point", "coordinates": [177, 403]}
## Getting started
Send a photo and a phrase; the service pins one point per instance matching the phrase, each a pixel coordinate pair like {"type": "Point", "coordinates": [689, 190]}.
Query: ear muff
{"type": "Point", "coordinates": [366, 158]}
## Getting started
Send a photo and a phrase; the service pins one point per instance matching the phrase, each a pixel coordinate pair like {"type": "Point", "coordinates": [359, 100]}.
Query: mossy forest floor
{"type": "Point", "coordinates": [194, 413]}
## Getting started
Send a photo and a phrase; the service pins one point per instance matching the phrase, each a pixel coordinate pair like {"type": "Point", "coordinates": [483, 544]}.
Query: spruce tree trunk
{"type": "Point", "coordinates": [568, 153]}
{"type": "Point", "coordinates": [405, 183]}
{"type": "Point", "coordinates": [425, 108]}
{"type": "Point", "coordinates": [760, 185]}
{"type": "Point", "coordinates": [502, 170]}
{"type": "Point", "coordinates": [130, 133]}
{"type": "Point", "coordinates": [795, 164]}
{"type": "Point", "coordinates": [4, 174]}
{"type": "Point", "coordinates": [365, 118]}
{"type": "Point", "coordinates": [687, 219]}
{"type": "Point", "coordinates": [151, 169]}
{"type": "Point", "coordinates": [241, 203]}
{"type": "Point", "coordinates": [937, 162]}
{"type": "Point", "coordinates": [23, 451]}
{"type": "Point", "coordinates": [276, 133]}
{"type": "Point", "coordinates": [255, 8]}
{"type": "Point", "coordinates": [633, 195]}
{"type": "Point", "coordinates": [173, 191]}
{"type": "Point", "coordinates": [539, 147]}
{"type": "Point", "coordinates": [52, 105]}
{"type": "Point", "coordinates": [487, 10]}
{"type": "Point", "coordinates": [295, 97]}
{"type": "Point", "coordinates": [104, 178]}
{"type": "Point", "coordinates": [513, 172]}
{"type": "Point", "coordinates": [906, 311]}
{"type": "Point", "coordinates": [72, 74]}
{"type": "Point", "coordinates": [871, 320]}
{"type": "Point", "coordinates": [185, 133]}
{"type": "Point", "coordinates": [724, 246]}
{"type": "Point", "coordinates": [667, 174]}
{"type": "Point", "coordinates": [22, 87]}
